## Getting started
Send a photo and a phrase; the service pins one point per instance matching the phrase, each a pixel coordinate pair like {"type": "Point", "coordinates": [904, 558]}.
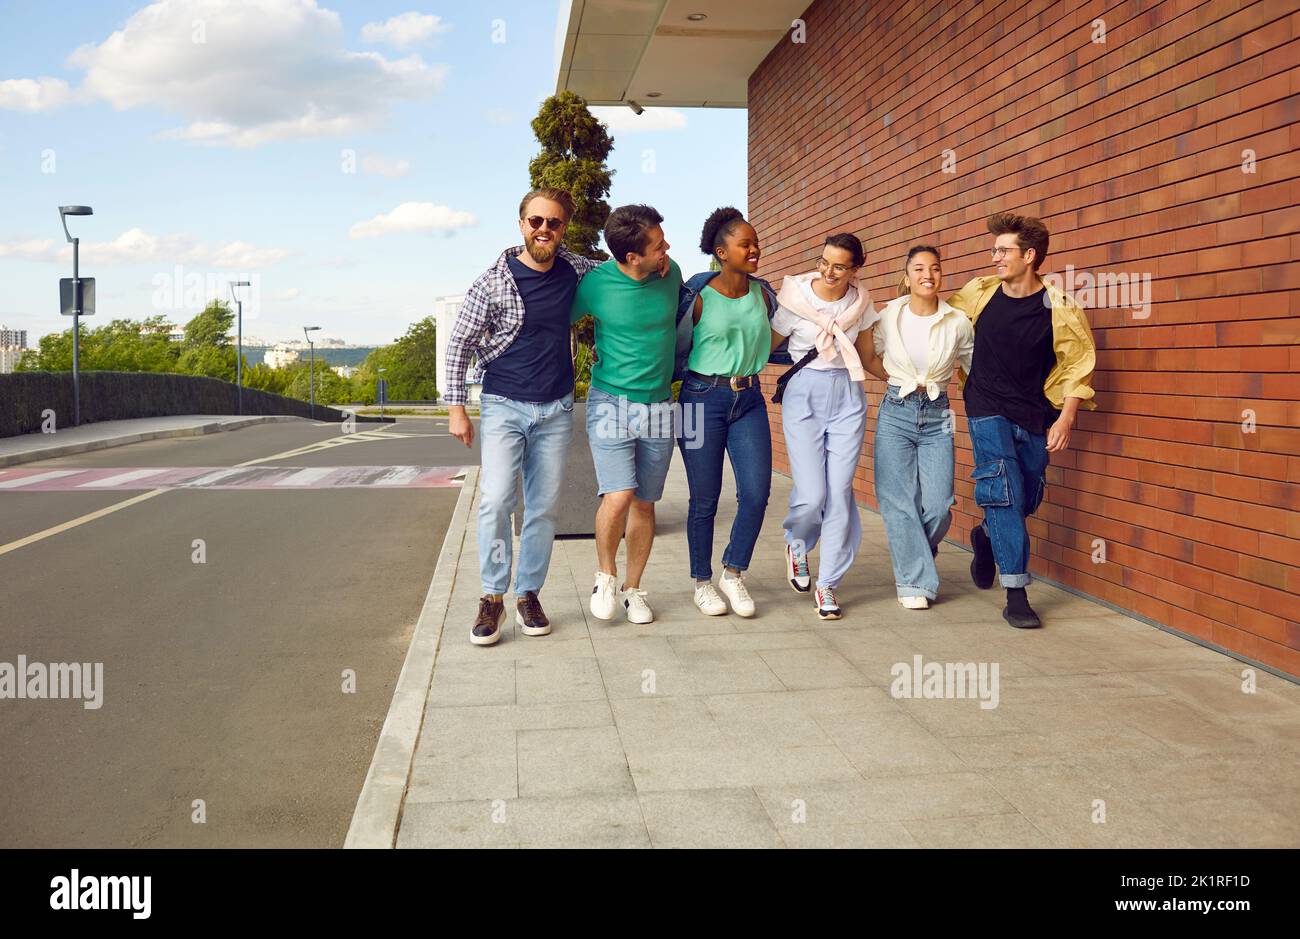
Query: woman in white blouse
{"type": "Point", "coordinates": [921, 339]}
{"type": "Point", "coordinates": [827, 316]}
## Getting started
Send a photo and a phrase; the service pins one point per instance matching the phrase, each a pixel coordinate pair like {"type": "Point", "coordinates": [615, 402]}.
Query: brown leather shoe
{"type": "Point", "coordinates": [528, 614]}
{"type": "Point", "coordinates": [487, 628]}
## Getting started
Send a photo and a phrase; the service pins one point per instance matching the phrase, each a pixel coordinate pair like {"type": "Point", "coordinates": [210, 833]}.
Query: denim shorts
{"type": "Point", "coordinates": [631, 444]}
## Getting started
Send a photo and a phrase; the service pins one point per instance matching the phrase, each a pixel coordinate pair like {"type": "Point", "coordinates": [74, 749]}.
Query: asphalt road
{"type": "Point", "coordinates": [223, 681]}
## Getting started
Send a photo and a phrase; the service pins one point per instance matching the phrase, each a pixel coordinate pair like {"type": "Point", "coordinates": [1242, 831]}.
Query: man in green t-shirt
{"type": "Point", "coordinates": [633, 298]}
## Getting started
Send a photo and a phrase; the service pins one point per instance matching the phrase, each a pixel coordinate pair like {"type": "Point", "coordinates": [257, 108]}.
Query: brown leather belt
{"type": "Point", "coordinates": [737, 382]}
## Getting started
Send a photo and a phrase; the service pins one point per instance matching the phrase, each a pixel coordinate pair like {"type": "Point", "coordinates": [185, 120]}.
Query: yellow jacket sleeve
{"type": "Point", "coordinates": [1076, 359]}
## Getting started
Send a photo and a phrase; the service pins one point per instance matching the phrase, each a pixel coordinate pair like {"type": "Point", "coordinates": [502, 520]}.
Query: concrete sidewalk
{"type": "Point", "coordinates": [782, 730]}
{"type": "Point", "coordinates": [27, 448]}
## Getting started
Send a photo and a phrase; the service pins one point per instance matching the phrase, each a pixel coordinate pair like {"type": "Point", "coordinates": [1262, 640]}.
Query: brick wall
{"type": "Point", "coordinates": [1132, 151]}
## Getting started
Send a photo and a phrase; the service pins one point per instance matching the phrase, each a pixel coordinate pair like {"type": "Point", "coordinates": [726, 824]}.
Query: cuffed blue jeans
{"type": "Point", "coordinates": [824, 415]}
{"type": "Point", "coordinates": [1010, 473]}
{"type": "Point", "coordinates": [734, 424]}
{"type": "Point", "coordinates": [533, 438]}
{"type": "Point", "coordinates": [914, 467]}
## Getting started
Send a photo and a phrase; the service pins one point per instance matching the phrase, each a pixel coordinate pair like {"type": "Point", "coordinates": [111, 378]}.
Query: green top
{"type": "Point", "coordinates": [733, 336]}
{"type": "Point", "coordinates": [636, 330]}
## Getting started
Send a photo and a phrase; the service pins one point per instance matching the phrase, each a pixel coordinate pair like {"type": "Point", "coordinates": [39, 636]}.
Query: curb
{"type": "Point", "coordinates": [379, 807]}
{"type": "Point", "coordinates": [49, 453]}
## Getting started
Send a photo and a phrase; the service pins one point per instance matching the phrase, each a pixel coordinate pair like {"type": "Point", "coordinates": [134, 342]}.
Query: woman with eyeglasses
{"type": "Point", "coordinates": [828, 319]}
{"type": "Point", "coordinates": [921, 339]}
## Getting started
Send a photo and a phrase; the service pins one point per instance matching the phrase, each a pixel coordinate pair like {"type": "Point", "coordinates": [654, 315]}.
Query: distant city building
{"type": "Point", "coordinates": [13, 338]}
{"type": "Point", "coordinates": [12, 344]}
{"type": "Point", "coordinates": [9, 356]}
{"type": "Point", "coordinates": [344, 371]}
{"type": "Point", "coordinates": [280, 356]}
{"type": "Point", "coordinates": [445, 310]}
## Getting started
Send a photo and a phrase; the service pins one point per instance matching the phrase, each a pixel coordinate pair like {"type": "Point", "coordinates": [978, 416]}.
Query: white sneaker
{"type": "Point", "coordinates": [828, 606]}
{"type": "Point", "coordinates": [602, 596]}
{"type": "Point", "coordinates": [796, 566]}
{"type": "Point", "coordinates": [638, 611]}
{"type": "Point", "coordinates": [707, 599]}
{"type": "Point", "coordinates": [732, 586]}
{"type": "Point", "coordinates": [915, 603]}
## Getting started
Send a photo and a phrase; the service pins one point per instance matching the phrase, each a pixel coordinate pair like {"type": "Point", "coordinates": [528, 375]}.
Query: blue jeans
{"type": "Point", "coordinates": [914, 482]}
{"type": "Point", "coordinates": [534, 438]}
{"type": "Point", "coordinates": [1010, 468]}
{"type": "Point", "coordinates": [824, 415]}
{"type": "Point", "coordinates": [734, 422]}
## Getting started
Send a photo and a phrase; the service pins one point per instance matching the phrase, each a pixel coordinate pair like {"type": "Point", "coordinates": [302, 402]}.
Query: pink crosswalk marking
{"type": "Point", "coordinates": [124, 479]}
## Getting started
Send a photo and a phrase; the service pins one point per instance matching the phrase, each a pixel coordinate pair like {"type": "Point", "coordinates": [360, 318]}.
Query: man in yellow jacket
{"type": "Point", "coordinates": [1030, 373]}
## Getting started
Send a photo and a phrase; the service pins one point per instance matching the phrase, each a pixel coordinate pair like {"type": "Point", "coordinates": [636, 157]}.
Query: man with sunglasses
{"type": "Point", "coordinates": [515, 320]}
{"type": "Point", "coordinates": [1030, 371]}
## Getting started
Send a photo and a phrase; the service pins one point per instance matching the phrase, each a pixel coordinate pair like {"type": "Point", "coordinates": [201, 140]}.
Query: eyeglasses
{"type": "Point", "coordinates": [554, 224]}
{"type": "Point", "coordinates": [1001, 252]}
{"type": "Point", "coordinates": [835, 269]}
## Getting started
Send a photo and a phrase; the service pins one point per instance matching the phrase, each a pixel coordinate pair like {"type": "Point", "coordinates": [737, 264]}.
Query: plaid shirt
{"type": "Point", "coordinates": [490, 318]}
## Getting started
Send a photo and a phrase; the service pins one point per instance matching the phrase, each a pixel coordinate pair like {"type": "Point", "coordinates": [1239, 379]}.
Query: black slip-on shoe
{"type": "Point", "coordinates": [982, 567]}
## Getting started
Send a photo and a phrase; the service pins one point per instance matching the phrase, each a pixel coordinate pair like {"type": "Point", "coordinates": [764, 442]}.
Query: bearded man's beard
{"type": "Point", "coordinates": [541, 253]}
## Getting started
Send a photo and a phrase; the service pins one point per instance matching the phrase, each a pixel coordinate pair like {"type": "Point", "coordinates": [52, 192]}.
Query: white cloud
{"type": "Point", "coordinates": [391, 167]}
{"type": "Point", "coordinates": [623, 120]}
{"type": "Point", "coordinates": [241, 72]}
{"type": "Point", "coordinates": [404, 30]}
{"type": "Point", "coordinates": [34, 94]}
{"type": "Point", "coordinates": [29, 250]}
{"type": "Point", "coordinates": [240, 255]}
{"type": "Point", "coordinates": [284, 296]}
{"type": "Point", "coordinates": [413, 216]}
{"type": "Point", "coordinates": [136, 246]}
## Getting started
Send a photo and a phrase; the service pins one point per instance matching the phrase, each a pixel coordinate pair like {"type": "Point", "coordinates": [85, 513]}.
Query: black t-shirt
{"type": "Point", "coordinates": [538, 365]}
{"type": "Point", "coordinates": [1014, 353]}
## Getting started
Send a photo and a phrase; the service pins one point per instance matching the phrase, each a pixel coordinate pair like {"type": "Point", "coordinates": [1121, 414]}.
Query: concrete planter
{"type": "Point", "coordinates": [575, 515]}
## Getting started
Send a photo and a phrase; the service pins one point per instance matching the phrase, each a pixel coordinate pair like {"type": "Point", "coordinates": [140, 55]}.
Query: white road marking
{"type": "Point", "coordinates": [211, 478]}
{"type": "Point", "coordinates": [120, 478]}
{"type": "Point", "coordinates": [38, 478]}
{"type": "Point", "coordinates": [306, 477]}
{"type": "Point", "coordinates": [398, 476]}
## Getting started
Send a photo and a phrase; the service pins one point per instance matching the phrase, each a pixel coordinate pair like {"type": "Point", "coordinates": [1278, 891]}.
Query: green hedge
{"type": "Point", "coordinates": [114, 396]}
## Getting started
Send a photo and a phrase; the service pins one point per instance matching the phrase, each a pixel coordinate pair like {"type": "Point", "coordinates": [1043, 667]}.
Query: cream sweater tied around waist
{"type": "Point", "coordinates": [832, 340]}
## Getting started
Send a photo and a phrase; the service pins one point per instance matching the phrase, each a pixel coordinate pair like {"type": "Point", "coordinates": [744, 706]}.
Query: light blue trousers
{"type": "Point", "coordinates": [824, 416]}
{"type": "Point", "coordinates": [520, 436]}
{"type": "Point", "coordinates": [914, 485]}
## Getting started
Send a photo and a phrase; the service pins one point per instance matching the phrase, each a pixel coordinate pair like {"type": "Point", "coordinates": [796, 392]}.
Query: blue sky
{"type": "Point", "coordinates": [275, 139]}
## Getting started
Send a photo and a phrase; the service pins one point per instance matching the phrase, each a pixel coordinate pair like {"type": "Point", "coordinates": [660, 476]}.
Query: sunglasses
{"type": "Point", "coordinates": [553, 224]}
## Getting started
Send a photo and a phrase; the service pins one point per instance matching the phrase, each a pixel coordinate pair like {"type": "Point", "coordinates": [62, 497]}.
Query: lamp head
{"type": "Point", "coordinates": [66, 210]}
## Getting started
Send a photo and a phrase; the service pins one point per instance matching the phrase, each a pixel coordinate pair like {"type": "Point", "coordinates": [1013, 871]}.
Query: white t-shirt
{"type": "Point", "coordinates": [803, 333]}
{"type": "Point", "coordinates": [916, 336]}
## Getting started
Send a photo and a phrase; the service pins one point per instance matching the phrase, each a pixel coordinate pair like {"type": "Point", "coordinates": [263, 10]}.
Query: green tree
{"type": "Point", "coordinates": [410, 364]}
{"type": "Point", "coordinates": [119, 346]}
{"type": "Point", "coordinates": [574, 148]}
{"type": "Point", "coordinates": [211, 327]}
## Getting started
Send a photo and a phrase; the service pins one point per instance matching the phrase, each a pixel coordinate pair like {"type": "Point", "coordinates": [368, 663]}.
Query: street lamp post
{"type": "Point", "coordinates": [64, 212]}
{"type": "Point", "coordinates": [384, 395]}
{"type": "Point", "coordinates": [311, 378]}
{"type": "Point", "coordinates": [239, 352]}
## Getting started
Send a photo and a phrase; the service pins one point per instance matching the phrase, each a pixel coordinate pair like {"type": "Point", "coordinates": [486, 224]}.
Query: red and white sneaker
{"type": "Point", "coordinates": [828, 607]}
{"type": "Point", "coordinates": [796, 568]}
